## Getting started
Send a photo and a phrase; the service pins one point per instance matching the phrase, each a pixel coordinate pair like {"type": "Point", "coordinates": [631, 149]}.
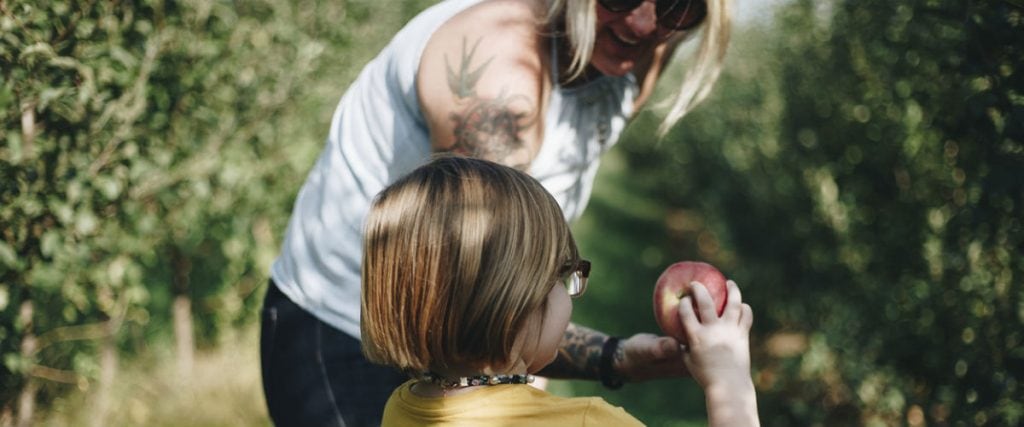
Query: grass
{"type": "Point", "coordinates": [222, 389]}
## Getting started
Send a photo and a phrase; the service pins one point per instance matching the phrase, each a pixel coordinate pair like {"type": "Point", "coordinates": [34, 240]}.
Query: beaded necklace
{"type": "Point", "coordinates": [475, 380]}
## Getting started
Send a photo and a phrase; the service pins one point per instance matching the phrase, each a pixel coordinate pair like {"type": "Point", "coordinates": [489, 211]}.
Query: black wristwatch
{"type": "Point", "coordinates": [609, 378]}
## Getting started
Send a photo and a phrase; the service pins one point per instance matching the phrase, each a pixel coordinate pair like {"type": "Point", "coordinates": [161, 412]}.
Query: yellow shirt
{"type": "Point", "coordinates": [501, 405]}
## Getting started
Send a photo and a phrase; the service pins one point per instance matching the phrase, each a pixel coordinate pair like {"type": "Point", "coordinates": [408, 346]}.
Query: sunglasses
{"type": "Point", "coordinates": [672, 14]}
{"type": "Point", "coordinates": [576, 280]}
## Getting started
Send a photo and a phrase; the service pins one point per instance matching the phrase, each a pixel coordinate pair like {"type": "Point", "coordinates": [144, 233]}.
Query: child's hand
{"type": "Point", "coordinates": [718, 356]}
{"type": "Point", "coordinates": [718, 351]}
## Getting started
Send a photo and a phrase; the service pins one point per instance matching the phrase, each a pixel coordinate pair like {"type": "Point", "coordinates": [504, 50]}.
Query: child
{"type": "Point", "coordinates": [468, 271]}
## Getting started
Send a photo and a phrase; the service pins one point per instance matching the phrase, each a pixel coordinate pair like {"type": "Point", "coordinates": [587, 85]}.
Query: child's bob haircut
{"type": "Point", "coordinates": [457, 256]}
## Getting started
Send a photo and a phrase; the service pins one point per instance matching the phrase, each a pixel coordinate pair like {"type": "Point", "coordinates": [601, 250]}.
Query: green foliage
{"type": "Point", "coordinates": [151, 150]}
{"type": "Point", "coordinates": [857, 171]}
{"type": "Point", "coordinates": [860, 173]}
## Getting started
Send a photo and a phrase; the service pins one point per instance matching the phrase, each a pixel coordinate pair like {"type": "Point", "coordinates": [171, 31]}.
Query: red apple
{"type": "Point", "coordinates": [674, 284]}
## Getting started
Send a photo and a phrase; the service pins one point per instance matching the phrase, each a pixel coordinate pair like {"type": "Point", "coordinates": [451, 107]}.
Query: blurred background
{"type": "Point", "coordinates": [858, 170]}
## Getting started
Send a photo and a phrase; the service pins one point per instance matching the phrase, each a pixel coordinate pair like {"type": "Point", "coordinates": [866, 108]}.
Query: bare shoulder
{"type": "Point", "coordinates": [512, 26]}
{"type": "Point", "coordinates": [482, 80]}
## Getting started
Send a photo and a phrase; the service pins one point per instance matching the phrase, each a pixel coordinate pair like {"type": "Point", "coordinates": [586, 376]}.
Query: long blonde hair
{"type": "Point", "coordinates": [457, 256]}
{"type": "Point", "coordinates": [580, 23]}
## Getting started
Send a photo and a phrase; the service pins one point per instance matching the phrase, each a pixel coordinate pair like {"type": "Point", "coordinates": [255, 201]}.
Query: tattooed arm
{"type": "Point", "coordinates": [580, 354]}
{"type": "Point", "coordinates": [639, 358]}
{"type": "Point", "coordinates": [481, 84]}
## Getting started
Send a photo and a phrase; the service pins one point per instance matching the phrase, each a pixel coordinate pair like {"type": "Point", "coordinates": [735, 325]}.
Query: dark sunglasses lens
{"type": "Point", "coordinates": [620, 5]}
{"type": "Point", "coordinates": [681, 14]}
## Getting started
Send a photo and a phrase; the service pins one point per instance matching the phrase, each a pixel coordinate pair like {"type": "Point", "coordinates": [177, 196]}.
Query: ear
{"type": "Point", "coordinates": [525, 347]}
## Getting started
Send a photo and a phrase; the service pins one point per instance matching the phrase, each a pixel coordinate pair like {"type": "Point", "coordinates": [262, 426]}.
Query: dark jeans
{"type": "Point", "coordinates": [315, 375]}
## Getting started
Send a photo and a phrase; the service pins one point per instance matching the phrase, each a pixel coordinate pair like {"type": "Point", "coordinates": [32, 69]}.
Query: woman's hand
{"type": "Point", "coordinates": [644, 357]}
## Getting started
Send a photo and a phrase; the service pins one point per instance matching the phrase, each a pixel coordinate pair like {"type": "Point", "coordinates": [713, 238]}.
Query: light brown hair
{"type": "Point", "coordinates": [456, 256]}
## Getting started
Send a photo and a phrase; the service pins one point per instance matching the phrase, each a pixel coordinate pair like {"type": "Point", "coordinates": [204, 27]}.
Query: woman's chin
{"type": "Point", "coordinates": [615, 69]}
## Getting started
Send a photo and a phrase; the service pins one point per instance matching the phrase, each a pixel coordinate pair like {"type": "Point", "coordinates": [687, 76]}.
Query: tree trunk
{"type": "Point", "coordinates": [27, 398]}
{"type": "Point", "coordinates": [108, 374]}
{"type": "Point", "coordinates": [183, 334]}
{"type": "Point", "coordinates": [7, 416]}
{"type": "Point", "coordinates": [28, 129]}
{"type": "Point", "coordinates": [182, 314]}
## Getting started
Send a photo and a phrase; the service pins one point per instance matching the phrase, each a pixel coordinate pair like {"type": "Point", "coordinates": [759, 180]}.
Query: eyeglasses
{"type": "Point", "coordinates": [575, 280]}
{"type": "Point", "coordinates": [672, 14]}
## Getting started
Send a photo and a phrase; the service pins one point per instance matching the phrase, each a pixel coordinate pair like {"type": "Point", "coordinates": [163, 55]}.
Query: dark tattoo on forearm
{"type": "Point", "coordinates": [488, 128]}
{"type": "Point", "coordinates": [579, 356]}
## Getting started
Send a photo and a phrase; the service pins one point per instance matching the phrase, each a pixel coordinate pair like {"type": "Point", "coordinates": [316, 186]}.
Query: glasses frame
{"type": "Point", "coordinates": [663, 9]}
{"type": "Point", "coordinates": [575, 280]}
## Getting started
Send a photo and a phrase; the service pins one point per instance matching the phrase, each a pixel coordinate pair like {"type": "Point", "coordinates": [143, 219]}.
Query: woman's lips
{"type": "Point", "coordinates": [624, 40]}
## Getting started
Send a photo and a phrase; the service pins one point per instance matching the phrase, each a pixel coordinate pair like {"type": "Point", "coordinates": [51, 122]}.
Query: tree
{"type": "Point", "coordinates": [151, 152]}
{"type": "Point", "coordinates": [859, 168]}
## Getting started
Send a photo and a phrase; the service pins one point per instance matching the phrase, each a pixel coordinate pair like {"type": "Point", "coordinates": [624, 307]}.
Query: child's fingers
{"type": "Point", "coordinates": [689, 318]}
{"type": "Point", "coordinates": [705, 305]}
{"type": "Point", "coordinates": [734, 290]}
{"type": "Point", "coordinates": [746, 317]}
{"type": "Point", "coordinates": [733, 302]}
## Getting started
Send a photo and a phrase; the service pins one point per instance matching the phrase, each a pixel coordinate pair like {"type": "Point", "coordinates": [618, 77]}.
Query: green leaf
{"type": "Point", "coordinates": [7, 256]}
{"type": "Point", "coordinates": [50, 243]}
{"type": "Point", "coordinates": [110, 187]}
{"type": "Point", "coordinates": [5, 298]}
{"type": "Point", "coordinates": [45, 277]}
{"type": "Point", "coordinates": [85, 222]}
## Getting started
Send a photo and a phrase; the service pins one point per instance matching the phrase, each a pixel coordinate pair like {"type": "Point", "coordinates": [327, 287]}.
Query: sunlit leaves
{"type": "Point", "coordinates": [133, 130]}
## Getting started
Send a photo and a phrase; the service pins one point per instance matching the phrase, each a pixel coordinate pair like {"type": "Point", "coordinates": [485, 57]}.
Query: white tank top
{"type": "Point", "coordinates": [378, 134]}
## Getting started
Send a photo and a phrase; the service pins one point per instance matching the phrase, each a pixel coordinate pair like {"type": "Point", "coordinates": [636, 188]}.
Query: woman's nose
{"type": "Point", "coordinates": [643, 21]}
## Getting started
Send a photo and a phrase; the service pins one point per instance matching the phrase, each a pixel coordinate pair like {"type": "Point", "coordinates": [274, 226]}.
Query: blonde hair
{"type": "Point", "coordinates": [580, 24]}
{"type": "Point", "coordinates": [456, 257]}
